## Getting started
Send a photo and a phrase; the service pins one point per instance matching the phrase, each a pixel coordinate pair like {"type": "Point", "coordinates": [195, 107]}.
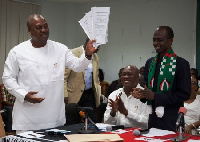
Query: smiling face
{"type": "Point", "coordinates": [161, 41]}
{"type": "Point", "coordinates": [130, 77]}
{"type": "Point", "coordinates": [38, 29]}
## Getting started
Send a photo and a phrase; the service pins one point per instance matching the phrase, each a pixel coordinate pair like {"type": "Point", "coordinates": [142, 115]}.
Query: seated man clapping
{"type": "Point", "coordinates": [123, 108]}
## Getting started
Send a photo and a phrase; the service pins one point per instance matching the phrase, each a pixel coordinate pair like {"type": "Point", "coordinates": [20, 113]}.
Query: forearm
{"type": "Point", "coordinates": [10, 82]}
{"type": "Point", "coordinates": [108, 119]}
{"type": "Point", "coordinates": [196, 124]}
{"type": "Point", "coordinates": [76, 64]}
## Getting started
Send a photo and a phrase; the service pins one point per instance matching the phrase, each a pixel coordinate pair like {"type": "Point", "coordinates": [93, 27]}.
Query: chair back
{"type": "Point", "coordinates": [72, 114]}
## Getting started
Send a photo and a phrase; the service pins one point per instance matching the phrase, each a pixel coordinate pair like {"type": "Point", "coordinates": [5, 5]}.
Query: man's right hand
{"type": "Point", "coordinates": [114, 105]}
{"type": "Point", "coordinates": [32, 99]}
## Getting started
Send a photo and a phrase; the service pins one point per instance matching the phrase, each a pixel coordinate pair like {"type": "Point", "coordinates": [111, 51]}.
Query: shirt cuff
{"type": "Point", "coordinates": [21, 95]}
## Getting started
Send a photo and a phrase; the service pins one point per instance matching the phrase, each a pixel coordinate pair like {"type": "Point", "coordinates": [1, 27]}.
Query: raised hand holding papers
{"type": "Point", "coordinates": [95, 24]}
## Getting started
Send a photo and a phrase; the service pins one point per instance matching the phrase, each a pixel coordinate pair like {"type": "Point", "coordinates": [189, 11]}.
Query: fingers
{"type": "Point", "coordinates": [137, 93]}
{"type": "Point", "coordinates": [136, 89]}
{"type": "Point", "coordinates": [90, 42]}
{"type": "Point", "coordinates": [36, 100]}
{"type": "Point", "coordinates": [187, 131]}
{"type": "Point", "coordinates": [117, 98]}
{"type": "Point", "coordinates": [94, 40]}
{"type": "Point", "coordinates": [39, 100]}
{"type": "Point", "coordinates": [111, 100]}
{"type": "Point", "coordinates": [32, 93]}
{"type": "Point", "coordinates": [30, 97]}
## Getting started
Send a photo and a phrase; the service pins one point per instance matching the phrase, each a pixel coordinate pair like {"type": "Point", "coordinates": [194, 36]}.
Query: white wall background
{"type": "Point", "coordinates": [131, 27]}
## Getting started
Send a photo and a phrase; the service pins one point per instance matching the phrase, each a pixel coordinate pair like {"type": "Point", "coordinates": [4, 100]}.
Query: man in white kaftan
{"type": "Point", "coordinates": [34, 74]}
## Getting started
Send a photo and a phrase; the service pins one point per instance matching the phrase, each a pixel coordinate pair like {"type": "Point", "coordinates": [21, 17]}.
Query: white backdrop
{"type": "Point", "coordinates": [131, 27]}
{"type": "Point", "coordinates": [13, 15]}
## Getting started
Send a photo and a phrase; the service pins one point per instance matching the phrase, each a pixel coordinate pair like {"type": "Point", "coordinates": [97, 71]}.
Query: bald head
{"type": "Point", "coordinates": [133, 69]}
{"type": "Point", "coordinates": [33, 17]}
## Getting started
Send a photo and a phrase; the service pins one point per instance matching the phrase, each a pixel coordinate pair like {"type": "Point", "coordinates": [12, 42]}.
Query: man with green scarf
{"type": "Point", "coordinates": [167, 79]}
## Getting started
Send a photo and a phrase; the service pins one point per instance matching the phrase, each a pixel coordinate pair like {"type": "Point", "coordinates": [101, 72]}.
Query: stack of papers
{"type": "Point", "coordinates": [95, 24]}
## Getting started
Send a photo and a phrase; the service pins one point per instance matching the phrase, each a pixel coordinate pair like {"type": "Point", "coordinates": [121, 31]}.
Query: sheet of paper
{"type": "Point", "coordinates": [100, 23]}
{"type": "Point", "coordinates": [102, 125]}
{"type": "Point", "coordinates": [193, 140]}
{"type": "Point", "coordinates": [86, 24]}
{"type": "Point", "coordinates": [93, 137]}
{"type": "Point", "coordinates": [57, 130]}
{"type": "Point", "coordinates": [11, 138]}
{"type": "Point", "coordinates": [158, 132]}
{"type": "Point", "coordinates": [150, 139]}
{"type": "Point", "coordinates": [31, 134]}
{"type": "Point", "coordinates": [95, 24]}
{"type": "Point", "coordinates": [120, 131]}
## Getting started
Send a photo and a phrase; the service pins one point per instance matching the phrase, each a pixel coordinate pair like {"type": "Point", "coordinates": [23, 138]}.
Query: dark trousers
{"type": "Point", "coordinates": [88, 100]}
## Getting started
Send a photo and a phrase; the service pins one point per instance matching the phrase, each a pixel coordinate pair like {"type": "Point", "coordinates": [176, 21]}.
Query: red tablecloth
{"type": "Point", "coordinates": [129, 137]}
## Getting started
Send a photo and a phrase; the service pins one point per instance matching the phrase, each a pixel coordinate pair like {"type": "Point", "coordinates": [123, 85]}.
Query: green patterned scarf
{"type": "Point", "coordinates": [166, 75]}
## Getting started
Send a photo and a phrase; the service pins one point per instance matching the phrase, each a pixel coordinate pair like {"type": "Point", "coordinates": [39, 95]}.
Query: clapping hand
{"type": "Point", "coordinates": [146, 93]}
{"type": "Point", "coordinates": [121, 107]}
{"type": "Point", "coordinates": [114, 106]}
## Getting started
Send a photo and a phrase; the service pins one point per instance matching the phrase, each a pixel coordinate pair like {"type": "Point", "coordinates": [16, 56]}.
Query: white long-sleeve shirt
{"type": "Point", "coordinates": [137, 116]}
{"type": "Point", "coordinates": [193, 112]}
{"type": "Point", "coordinates": [40, 70]}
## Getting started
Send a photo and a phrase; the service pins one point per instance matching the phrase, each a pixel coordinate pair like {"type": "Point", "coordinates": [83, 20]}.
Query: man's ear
{"type": "Point", "coordinates": [171, 40]}
{"type": "Point", "coordinates": [29, 31]}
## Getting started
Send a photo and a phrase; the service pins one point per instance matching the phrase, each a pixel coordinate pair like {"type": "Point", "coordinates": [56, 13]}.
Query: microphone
{"type": "Point", "coordinates": [116, 127]}
{"type": "Point", "coordinates": [137, 132]}
{"type": "Point", "coordinates": [182, 111]}
{"type": "Point", "coordinates": [82, 114]}
{"type": "Point", "coordinates": [86, 110]}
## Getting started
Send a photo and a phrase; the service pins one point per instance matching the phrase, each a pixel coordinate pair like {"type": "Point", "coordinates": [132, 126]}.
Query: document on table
{"type": "Point", "coordinates": [95, 24]}
{"type": "Point", "coordinates": [102, 126]}
{"type": "Point", "coordinates": [93, 137]}
{"type": "Point", "coordinates": [158, 132]}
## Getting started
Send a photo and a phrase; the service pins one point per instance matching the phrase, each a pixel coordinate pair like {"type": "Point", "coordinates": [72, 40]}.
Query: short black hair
{"type": "Point", "coordinates": [170, 33]}
{"type": "Point", "coordinates": [196, 72]}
